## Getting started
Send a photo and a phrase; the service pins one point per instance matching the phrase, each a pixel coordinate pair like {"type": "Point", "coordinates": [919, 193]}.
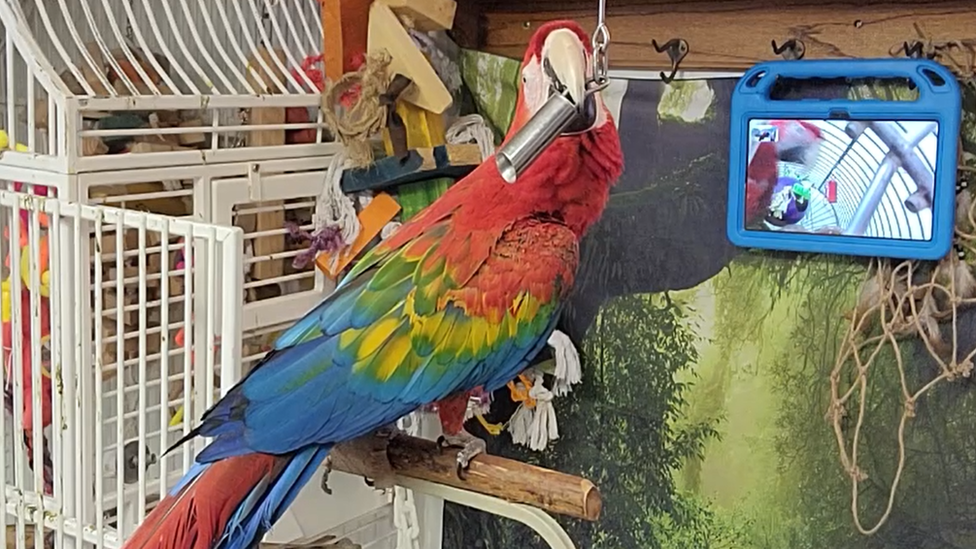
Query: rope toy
{"type": "Point", "coordinates": [898, 301]}
{"type": "Point", "coordinates": [335, 220]}
{"type": "Point", "coordinates": [366, 115]}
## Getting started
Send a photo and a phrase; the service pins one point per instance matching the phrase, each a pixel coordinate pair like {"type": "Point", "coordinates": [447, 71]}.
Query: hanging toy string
{"type": "Point", "coordinates": [335, 221]}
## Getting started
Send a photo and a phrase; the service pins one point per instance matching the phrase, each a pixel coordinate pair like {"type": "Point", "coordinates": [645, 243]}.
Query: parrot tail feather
{"type": "Point", "coordinates": [228, 504]}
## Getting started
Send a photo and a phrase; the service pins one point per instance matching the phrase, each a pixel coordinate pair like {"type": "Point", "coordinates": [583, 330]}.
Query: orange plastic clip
{"type": "Point", "coordinates": [380, 211]}
{"type": "Point", "coordinates": [521, 394]}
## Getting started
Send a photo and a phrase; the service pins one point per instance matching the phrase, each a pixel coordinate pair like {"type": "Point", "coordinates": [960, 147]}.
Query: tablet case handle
{"type": "Point", "coordinates": [930, 77]}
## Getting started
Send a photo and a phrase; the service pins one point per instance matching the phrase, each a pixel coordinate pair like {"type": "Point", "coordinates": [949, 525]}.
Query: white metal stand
{"type": "Point", "coordinates": [536, 519]}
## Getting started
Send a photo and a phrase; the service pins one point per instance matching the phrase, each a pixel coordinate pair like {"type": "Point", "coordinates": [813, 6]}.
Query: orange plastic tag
{"type": "Point", "coordinates": [380, 211]}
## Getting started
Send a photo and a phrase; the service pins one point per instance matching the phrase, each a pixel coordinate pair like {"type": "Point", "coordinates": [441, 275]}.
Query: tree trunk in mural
{"type": "Point", "coordinates": [664, 228]}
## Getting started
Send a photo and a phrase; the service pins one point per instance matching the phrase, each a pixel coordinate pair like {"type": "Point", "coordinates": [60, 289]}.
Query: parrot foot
{"type": "Point", "coordinates": [325, 476]}
{"type": "Point", "coordinates": [390, 432]}
{"type": "Point", "coordinates": [471, 447]}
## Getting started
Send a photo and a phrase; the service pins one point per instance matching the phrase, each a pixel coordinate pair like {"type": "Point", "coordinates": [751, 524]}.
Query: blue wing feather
{"type": "Point", "coordinates": [323, 383]}
{"type": "Point", "coordinates": [264, 508]}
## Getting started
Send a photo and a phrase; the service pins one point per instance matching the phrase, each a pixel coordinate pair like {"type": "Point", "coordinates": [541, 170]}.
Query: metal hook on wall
{"type": "Point", "coordinates": [677, 49]}
{"type": "Point", "coordinates": [791, 50]}
{"type": "Point", "coordinates": [916, 50]}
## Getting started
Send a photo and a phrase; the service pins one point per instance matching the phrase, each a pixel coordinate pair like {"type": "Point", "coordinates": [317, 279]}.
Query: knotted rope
{"type": "Point", "coordinates": [358, 95]}
{"type": "Point", "coordinates": [897, 302]}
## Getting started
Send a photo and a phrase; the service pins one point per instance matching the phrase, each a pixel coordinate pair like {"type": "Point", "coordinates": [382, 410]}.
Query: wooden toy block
{"type": "Point", "coordinates": [346, 23]}
{"type": "Point", "coordinates": [387, 33]}
{"type": "Point", "coordinates": [178, 206]}
{"type": "Point", "coordinates": [259, 77]}
{"type": "Point", "coordinates": [424, 15]}
{"type": "Point", "coordinates": [423, 164]}
{"type": "Point", "coordinates": [265, 245]}
{"type": "Point", "coordinates": [194, 139]}
{"type": "Point", "coordinates": [380, 211]}
{"type": "Point", "coordinates": [93, 146]}
{"type": "Point", "coordinates": [266, 138]}
{"type": "Point", "coordinates": [424, 129]}
{"type": "Point", "coordinates": [265, 221]}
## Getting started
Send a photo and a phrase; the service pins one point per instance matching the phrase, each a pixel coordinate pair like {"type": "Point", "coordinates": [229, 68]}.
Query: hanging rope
{"type": "Point", "coordinates": [472, 129]}
{"type": "Point", "coordinates": [897, 302]}
{"type": "Point", "coordinates": [362, 115]}
{"type": "Point", "coordinates": [335, 220]}
{"type": "Point", "coordinates": [569, 370]}
{"type": "Point", "coordinates": [534, 422]}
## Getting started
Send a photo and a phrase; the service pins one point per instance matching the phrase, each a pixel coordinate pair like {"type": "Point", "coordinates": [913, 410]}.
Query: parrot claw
{"type": "Point", "coordinates": [325, 476]}
{"type": "Point", "coordinates": [470, 445]}
{"type": "Point", "coordinates": [472, 449]}
{"type": "Point", "coordinates": [442, 443]}
{"type": "Point", "coordinates": [369, 482]}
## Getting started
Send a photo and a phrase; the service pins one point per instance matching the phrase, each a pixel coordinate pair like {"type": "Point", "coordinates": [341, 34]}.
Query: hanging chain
{"type": "Point", "coordinates": [601, 42]}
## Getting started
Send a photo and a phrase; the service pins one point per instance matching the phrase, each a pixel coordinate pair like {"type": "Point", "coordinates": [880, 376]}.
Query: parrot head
{"type": "Point", "coordinates": [559, 59]}
{"type": "Point", "coordinates": [571, 178]}
{"type": "Point", "coordinates": [799, 141]}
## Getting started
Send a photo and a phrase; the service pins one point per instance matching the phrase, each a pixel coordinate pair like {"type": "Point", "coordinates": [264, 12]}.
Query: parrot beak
{"type": "Point", "coordinates": [564, 62]}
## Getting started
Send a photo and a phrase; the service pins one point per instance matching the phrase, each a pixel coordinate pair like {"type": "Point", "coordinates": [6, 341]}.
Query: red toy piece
{"type": "Point", "coordinates": [26, 357]}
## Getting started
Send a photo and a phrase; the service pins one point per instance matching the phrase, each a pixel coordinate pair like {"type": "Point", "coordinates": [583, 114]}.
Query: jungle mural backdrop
{"type": "Point", "coordinates": [724, 389]}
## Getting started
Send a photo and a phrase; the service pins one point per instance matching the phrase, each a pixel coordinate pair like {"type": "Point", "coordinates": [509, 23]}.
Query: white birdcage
{"type": "Point", "coordinates": [198, 112]}
{"type": "Point", "coordinates": [106, 411]}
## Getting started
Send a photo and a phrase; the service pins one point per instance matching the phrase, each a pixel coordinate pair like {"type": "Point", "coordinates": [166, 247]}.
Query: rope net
{"type": "Point", "coordinates": [898, 301]}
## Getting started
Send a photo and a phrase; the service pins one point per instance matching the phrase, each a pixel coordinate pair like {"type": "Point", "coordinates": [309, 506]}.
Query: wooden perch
{"type": "Point", "coordinates": [513, 481]}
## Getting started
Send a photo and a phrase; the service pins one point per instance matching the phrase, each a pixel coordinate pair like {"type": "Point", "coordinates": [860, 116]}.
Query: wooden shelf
{"type": "Point", "coordinates": [733, 35]}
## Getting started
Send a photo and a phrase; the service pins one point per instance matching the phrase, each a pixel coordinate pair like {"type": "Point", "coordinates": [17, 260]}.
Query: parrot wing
{"type": "Point", "coordinates": [446, 311]}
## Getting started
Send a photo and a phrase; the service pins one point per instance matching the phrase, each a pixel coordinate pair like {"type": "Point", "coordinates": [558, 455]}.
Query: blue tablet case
{"type": "Point", "coordinates": [938, 100]}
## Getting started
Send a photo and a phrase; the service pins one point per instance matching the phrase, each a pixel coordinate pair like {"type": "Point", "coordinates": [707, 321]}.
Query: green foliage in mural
{"type": "Point", "coordinates": [623, 430]}
{"type": "Point", "coordinates": [686, 101]}
{"type": "Point", "coordinates": [493, 82]}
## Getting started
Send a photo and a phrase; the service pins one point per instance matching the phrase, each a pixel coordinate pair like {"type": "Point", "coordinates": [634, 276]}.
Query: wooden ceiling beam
{"type": "Point", "coordinates": [735, 35]}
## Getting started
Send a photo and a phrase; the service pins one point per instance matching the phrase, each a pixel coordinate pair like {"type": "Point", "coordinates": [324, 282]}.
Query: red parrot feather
{"type": "Point", "coordinates": [461, 296]}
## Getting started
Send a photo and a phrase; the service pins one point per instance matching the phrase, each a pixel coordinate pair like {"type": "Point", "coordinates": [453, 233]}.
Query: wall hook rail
{"type": "Point", "coordinates": [916, 49]}
{"type": "Point", "coordinates": [677, 49]}
{"type": "Point", "coordinates": [791, 50]}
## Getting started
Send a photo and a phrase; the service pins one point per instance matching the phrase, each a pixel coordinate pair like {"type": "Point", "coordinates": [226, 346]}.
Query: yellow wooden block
{"type": "Point", "coordinates": [424, 128]}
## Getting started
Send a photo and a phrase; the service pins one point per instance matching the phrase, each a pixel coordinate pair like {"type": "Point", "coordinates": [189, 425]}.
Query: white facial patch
{"type": "Point", "coordinates": [535, 87]}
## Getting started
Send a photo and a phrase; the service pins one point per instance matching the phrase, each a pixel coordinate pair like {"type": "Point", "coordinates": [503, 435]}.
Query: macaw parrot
{"type": "Point", "coordinates": [798, 142]}
{"type": "Point", "coordinates": [461, 296]}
